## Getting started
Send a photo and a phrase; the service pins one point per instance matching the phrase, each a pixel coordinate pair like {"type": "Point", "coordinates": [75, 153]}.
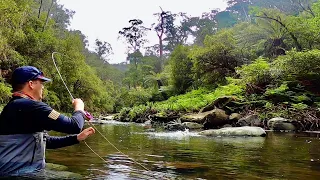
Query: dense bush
{"type": "Point", "coordinates": [5, 93]}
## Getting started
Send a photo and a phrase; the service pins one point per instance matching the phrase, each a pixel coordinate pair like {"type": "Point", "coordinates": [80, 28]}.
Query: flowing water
{"type": "Point", "coordinates": [186, 155]}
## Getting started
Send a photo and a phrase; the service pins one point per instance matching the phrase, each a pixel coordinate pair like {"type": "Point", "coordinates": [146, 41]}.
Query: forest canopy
{"type": "Point", "coordinates": [266, 44]}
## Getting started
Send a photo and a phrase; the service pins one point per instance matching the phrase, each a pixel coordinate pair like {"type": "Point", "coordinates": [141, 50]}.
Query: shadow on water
{"type": "Point", "coordinates": [186, 155]}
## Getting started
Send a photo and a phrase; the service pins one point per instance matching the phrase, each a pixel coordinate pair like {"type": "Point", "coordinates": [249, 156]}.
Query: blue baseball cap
{"type": "Point", "coordinates": [27, 73]}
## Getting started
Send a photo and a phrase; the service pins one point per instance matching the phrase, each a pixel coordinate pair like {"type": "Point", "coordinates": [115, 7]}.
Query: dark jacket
{"type": "Point", "coordinates": [22, 138]}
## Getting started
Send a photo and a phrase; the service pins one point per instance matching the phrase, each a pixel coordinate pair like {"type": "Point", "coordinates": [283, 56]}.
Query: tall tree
{"type": "Point", "coordinates": [225, 19]}
{"type": "Point", "coordinates": [103, 49]}
{"type": "Point", "coordinates": [202, 26]}
{"type": "Point", "coordinates": [134, 34]}
{"type": "Point", "coordinates": [275, 16]}
{"type": "Point", "coordinates": [48, 14]}
{"type": "Point", "coordinates": [176, 34]}
{"type": "Point", "coordinates": [159, 28]}
{"type": "Point", "coordinates": [39, 12]}
{"type": "Point", "coordinates": [58, 13]}
{"type": "Point", "coordinates": [169, 34]}
{"type": "Point", "coordinates": [240, 8]}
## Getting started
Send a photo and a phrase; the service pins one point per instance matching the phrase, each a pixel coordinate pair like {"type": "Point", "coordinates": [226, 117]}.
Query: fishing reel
{"type": "Point", "coordinates": [88, 116]}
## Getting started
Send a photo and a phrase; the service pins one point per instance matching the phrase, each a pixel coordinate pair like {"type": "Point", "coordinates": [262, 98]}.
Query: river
{"type": "Point", "coordinates": [186, 155]}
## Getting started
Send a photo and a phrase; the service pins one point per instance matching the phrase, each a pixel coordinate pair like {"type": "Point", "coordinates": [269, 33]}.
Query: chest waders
{"type": "Point", "coordinates": [21, 153]}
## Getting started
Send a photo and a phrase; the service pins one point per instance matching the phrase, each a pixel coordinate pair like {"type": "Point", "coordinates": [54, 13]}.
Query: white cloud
{"type": "Point", "coordinates": [103, 19]}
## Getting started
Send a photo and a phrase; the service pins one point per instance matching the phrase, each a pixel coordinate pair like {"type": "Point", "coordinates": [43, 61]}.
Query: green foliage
{"type": "Point", "coordinates": [216, 60]}
{"type": "Point", "coordinates": [283, 88]}
{"type": "Point", "coordinates": [136, 97]}
{"type": "Point", "coordinates": [52, 98]}
{"type": "Point", "coordinates": [26, 39]}
{"type": "Point", "coordinates": [205, 26]}
{"type": "Point", "coordinates": [196, 99]}
{"type": "Point", "coordinates": [103, 70]}
{"type": "Point", "coordinates": [227, 90]}
{"type": "Point", "coordinates": [134, 34]}
{"type": "Point", "coordinates": [181, 65]}
{"type": "Point", "coordinates": [250, 38]}
{"type": "Point", "coordinates": [278, 94]}
{"type": "Point", "coordinates": [274, 111]}
{"type": "Point", "coordinates": [301, 98]}
{"type": "Point", "coordinates": [188, 102]}
{"type": "Point", "coordinates": [5, 93]}
{"type": "Point", "coordinates": [317, 104]}
{"type": "Point", "coordinates": [297, 65]}
{"type": "Point", "coordinates": [256, 73]}
{"type": "Point", "coordinates": [278, 47]}
{"type": "Point", "coordinates": [137, 111]}
{"type": "Point", "coordinates": [192, 101]}
{"type": "Point", "coordinates": [225, 19]}
{"type": "Point", "coordinates": [299, 106]}
{"type": "Point", "coordinates": [269, 106]}
{"type": "Point", "coordinates": [103, 49]}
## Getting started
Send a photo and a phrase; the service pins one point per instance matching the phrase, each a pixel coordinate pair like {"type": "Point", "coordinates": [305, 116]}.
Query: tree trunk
{"type": "Point", "coordinates": [48, 16]}
{"type": "Point", "coordinates": [160, 40]}
{"type": "Point", "coordinates": [40, 9]}
{"type": "Point", "coordinates": [160, 50]}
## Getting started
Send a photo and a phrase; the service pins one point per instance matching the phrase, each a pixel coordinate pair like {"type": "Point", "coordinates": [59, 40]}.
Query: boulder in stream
{"type": "Point", "coordinates": [210, 119]}
{"type": "Point", "coordinates": [235, 131]}
{"type": "Point", "coordinates": [174, 126]}
{"type": "Point", "coordinates": [278, 124]}
{"type": "Point", "coordinates": [235, 116]}
{"type": "Point", "coordinates": [196, 118]}
{"type": "Point", "coordinates": [107, 118]}
{"type": "Point", "coordinates": [251, 120]}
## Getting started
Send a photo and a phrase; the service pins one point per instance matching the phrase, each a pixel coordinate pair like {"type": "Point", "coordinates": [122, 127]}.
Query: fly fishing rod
{"type": "Point", "coordinates": [90, 117]}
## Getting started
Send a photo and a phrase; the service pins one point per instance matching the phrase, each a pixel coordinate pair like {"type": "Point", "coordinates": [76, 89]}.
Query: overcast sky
{"type": "Point", "coordinates": [103, 19]}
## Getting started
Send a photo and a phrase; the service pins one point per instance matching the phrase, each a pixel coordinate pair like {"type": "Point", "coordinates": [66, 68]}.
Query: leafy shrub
{"type": "Point", "coordinates": [278, 90]}
{"type": "Point", "coordinates": [181, 69]}
{"type": "Point", "coordinates": [297, 65]}
{"type": "Point", "coordinates": [299, 106]}
{"type": "Point", "coordinates": [135, 97]}
{"type": "Point", "coordinates": [5, 93]}
{"type": "Point", "coordinates": [257, 73]}
{"type": "Point", "coordinates": [52, 99]}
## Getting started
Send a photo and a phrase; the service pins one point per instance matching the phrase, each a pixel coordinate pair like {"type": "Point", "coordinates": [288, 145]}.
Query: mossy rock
{"type": "Point", "coordinates": [218, 103]}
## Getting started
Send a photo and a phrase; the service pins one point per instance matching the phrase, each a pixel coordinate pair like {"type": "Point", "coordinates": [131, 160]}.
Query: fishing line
{"type": "Point", "coordinates": [54, 62]}
{"type": "Point", "coordinates": [91, 123]}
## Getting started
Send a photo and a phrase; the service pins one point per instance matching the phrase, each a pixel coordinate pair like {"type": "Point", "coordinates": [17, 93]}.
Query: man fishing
{"type": "Point", "coordinates": [24, 120]}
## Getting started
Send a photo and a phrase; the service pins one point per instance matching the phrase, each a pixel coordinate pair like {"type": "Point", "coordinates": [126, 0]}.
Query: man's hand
{"type": "Point", "coordinates": [78, 105]}
{"type": "Point", "coordinates": [85, 134]}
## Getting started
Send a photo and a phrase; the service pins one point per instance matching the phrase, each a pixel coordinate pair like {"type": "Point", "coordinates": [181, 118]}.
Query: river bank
{"type": "Point", "coordinates": [227, 112]}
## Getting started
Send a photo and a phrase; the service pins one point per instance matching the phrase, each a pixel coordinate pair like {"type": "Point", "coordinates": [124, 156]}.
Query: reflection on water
{"type": "Point", "coordinates": [186, 155]}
